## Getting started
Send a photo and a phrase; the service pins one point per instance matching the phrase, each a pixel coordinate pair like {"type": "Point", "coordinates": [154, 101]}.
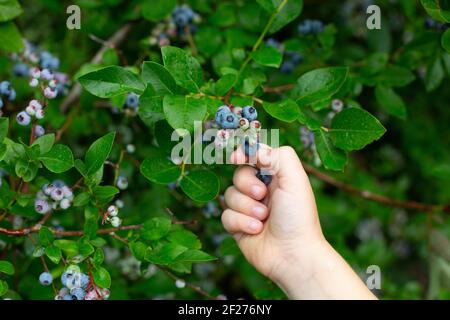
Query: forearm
{"type": "Point", "coordinates": [325, 276]}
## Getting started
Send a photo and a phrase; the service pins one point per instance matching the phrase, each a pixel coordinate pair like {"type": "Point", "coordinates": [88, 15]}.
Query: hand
{"type": "Point", "coordinates": [277, 226]}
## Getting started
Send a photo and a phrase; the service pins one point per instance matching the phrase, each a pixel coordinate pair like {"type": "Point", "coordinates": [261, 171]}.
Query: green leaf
{"type": "Point", "coordinates": [150, 106]}
{"type": "Point", "coordinates": [111, 81]}
{"type": "Point", "coordinates": [165, 254]}
{"type": "Point", "coordinates": [81, 199]}
{"type": "Point", "coordinates": [438, 9]}
{"type": "Point", "coordinates": [160, 170]}
{"type": "Point", "coordinates": [288, 13]}
{"type": "Point", "coordinates": [268, 56]}
{"type": "Point", "coordinates": [68, 246]}
{"type": "Point", "coordinates": [286, 110]}
{"type": "Point", "coordinates": [3, 287]}
{"type": "Point", "coordinates": [46, 236]}
{"type": "Point", "coordinates": [445, 40]}
{"type": "Point", "coordinates": [185, 238]}
{"type": "Point", "coordinates": [101, 277]}
{"type": "Point", "coordinates": [4, 125]}
{"type": "Point", "coordinates": [54, 254]}
{"type": "Point", "coordinates": [184, 68]}
{"type": "Point", "coordinates": [9, 10]}
{"type": "Point", "coordinates": [138, 249]}
{"type": "Point", "coordinates": [59, 159]}
{"type": "Point", "coordinates": [10, 38]}
{"type": "Point", "coordinates": [201, 185]}
{"type": "Point", "coordinates": [105, 194]}
{"type": "Point", "coordinates": [331, 157]}
{"type": "Point", "coordinates": [6, 267]}
{"type": "Point", "coordinates": [156, 10]}
{"type": "Point", "coordinates": [353, 129]}
{"type": "Point", "coordinates": [98, 152]}
{"type": "Point", "coordinates": [194, 256]}
{"type": "Point", "coordinates": [390, 101]}
{"type": "Point", "coordinates": [319, 84]}
{"type": "Point", "coordinates": [435, 74]}
{"type": "Point", "coordinates": [156, 228]}
{"type": "Point", "coordinates": [98, 257]}
{"type": "Point", "coordinates": [182, 111]}
{"type": "Point", "coordinates": [225, 83]}
{"type": "Point", "coordinates": [26, 169]}
{"type": "Point", "coordinates": [45, 142]}
{"type": "Point", "coordinates": [161, 80]}
{"type": "Point", "coordinates": [394, 76]}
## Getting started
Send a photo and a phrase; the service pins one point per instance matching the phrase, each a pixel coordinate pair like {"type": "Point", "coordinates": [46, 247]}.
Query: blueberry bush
{"type": "Point", "coordinates": [92, 206]}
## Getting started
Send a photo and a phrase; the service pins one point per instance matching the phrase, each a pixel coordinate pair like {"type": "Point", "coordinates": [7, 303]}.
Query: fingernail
{"type": "Point", "coordinates": [254, 225]}
{"type": "Point", "coordinates": [259, 212]}
{"type": "Point", "coordinates": [256, 191]}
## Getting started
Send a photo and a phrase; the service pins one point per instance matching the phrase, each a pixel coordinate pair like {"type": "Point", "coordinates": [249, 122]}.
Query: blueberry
{"type": "Point", "coordinates": [77, 293]}
{"type": "Point", "coordinates": [23, 118]}
{"type": "Point", "coordinates": [20, 70]}
{"type": "Point", "coordinates": [264, 178]}
{"type": "Point", "coordinates": [223, 110]}
{"type": "Point", "coordinates": [250, 149]}
{"type": "Point", "coordinates": [295, 57]}
{"type": "Point", "coordinates": [41, 206]}
{"type": "Point", "coordinates": [84, 280]}
{"type": "Point", "coordinates": [64, 277]}
{"type": "Point", "coordinates": [249, 113]}
{"type": "Point", "coordinates": [39, 131]}
{"type": "Point", "coordinates": [12, 95]}
{"type": "Point", "coordinates": [45, 279]}
{"type": "Point", "coordinates": [132, 100]}
{"type": "Point", "coordinates": [68, 297]}
{"type": "Point", "coordinates": [230, 121]}
{"type": "Point", "coordinates": [122, 183]}
{"type": "Point", "coordinates": [287, 67]}
{"type": "Point", "coordinates": [5, 88]}
{"type": "Point", "coordinates": [1, 103]}
{"type": "Point", "coordinates": [271, 42]}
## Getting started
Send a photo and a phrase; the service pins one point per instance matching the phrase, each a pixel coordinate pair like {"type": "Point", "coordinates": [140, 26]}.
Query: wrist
{"type": "Point", "coordinates": [299, 272]}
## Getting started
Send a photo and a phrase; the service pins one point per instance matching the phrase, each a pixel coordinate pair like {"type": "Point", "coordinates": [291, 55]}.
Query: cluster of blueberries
{"type": "Point", "coordinates": [290, 58]}
{"type": "Point", "coordinates": [42, 68]}
{"type": "Point", "coordinates": [435, 25]}
{"type": "Point", "coordinates": [111, 216]}
{"type": "Point", "coordinates": [182, 17]}
{"type": "Point", "coordinates": [6, 91]}
{"type": "Point", "coordinates": [34, 109]}
{"type": "Point", "coordinates": [310, 26]}
{"type": "Point", "coordinates": [230, 118]}
{"type": "Point", "coordinates": [77, 286]}
{"type": "Point", "coordinates": [53, 196]}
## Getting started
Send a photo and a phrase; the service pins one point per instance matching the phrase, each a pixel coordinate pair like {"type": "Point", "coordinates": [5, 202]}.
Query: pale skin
{"type": "Point", "coordinates": [278, 230]}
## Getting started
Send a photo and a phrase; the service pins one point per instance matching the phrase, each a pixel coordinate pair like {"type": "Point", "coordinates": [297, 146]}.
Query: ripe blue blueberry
{"type": "Point", "coordinates": [132, 100]}
{"type": "Point", "coordinates": [250, 149]}
{"type": "Point", "coordinates": [230, 121]}
{"type": "Point", "coordinates": [223, 110]}
{"type": "Point", "coordinates": [12, 95]}
{"type": "Point", "coordinates": [41, 206]}
{"type": "Point", "coordinates": [249, 113]}
{"type": "Point", "coordinates": [5, 88]}
{"type": "Point", "coordinates": [39, 131]}
{"type": "Point", "coordinates": [45, 279]}
{"type": "Point", "coordinates": [20, 70]}
{"type": "Point", "coordinates": [77, 293]}
{"type": "Point", "coordinates": [264, 178]}
{"type": "Point", "coordinates": [23, 118]}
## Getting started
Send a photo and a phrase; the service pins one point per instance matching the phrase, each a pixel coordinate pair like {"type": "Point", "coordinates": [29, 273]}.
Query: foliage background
{"type": "Point", "coordinates": [410, 161]}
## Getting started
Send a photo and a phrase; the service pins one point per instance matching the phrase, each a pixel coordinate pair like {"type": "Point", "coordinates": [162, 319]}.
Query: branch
{"type": "Point", "coordinates": [365, 194]}
{"type": "Point", "coordinates": [112, 42]}
{"type": "Point", "coordinates": [28, 230]}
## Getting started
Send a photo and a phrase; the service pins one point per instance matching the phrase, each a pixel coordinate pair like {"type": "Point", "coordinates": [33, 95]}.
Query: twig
{"type": "Point", "coordinates": [66, 124]}
{"type": "Point", "coordinates": [28, 230]}
{"type": "Point", "coordinates": [190, 40]}
{"type": "Point", "coordinates": [368, 195]}
{"type": "Point", "coordinates": [115, 40]}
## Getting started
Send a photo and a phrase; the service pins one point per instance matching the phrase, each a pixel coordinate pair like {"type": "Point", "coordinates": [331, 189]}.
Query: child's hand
{"type": "Point", "coordinates": [278, 229]}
